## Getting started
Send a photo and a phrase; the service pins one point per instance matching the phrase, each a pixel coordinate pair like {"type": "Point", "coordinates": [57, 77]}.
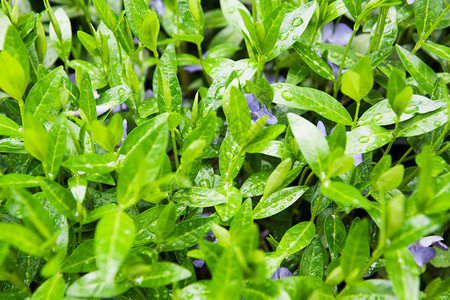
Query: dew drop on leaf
{"type": "Point", "coordinates": [377, 117]}
{"type": "Point", "coordinates": [335, 55]}
{"type": "Point", "coordinates": [287, 95]}
{"type": "Point", "coordinates": [297, 22]}
{"type": "Point", "coordinates": [279, 86]}
{"type": "Point", "coordinates": [437, 123]}
{"type": "Point", "coordinates": [364, 139]}
{"type": "Point", "coordinates": [284, 36]}
{"type": "Point", "coordinates": [411, 109]}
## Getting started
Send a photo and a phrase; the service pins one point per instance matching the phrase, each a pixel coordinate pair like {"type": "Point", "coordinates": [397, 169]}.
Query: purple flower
{"type": "Point", "coordinates": [339, 36]}
{"type": "Point", "coordinates": [410, 2]}
{"type": "Point", "coordinates": [357, 158]}
{"type": "Point", "coordinates": [257, 112]}
{"type": "Point", "coordinates": [281, 273]}
{"type": "Point", "coordinates": [195, 68]}
{"type": "Point", "coordinates": [423, 252]}
{"type": "Point", "coordinates": [159, 7]}
{"type": "Point", "coordinates": [125, 131]}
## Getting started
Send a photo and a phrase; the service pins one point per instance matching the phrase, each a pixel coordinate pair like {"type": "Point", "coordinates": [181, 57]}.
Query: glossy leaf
{"type": "Point", "coordinates": [114, 236]}
{"type": "Point", "coordinates": [367, 138]}
{"type": "Point", "coordinates": [421, 124]}
{"type": "Point", "coordinates": [60, 198]}
{"type": "Point", "coordinates": [94, 285]}
{"type": "Point", "coordinates": [358, 81]}
{"type": "Point", "coordinates": [18, 181]}
{"type": "Point", "coordinates": [335, 235]}
{"type": "Point", "coordinates": [312, 143]}
{"type": "Point", "coordinates": [311, 99]}
{"type": "Point", "coordinates": [57, 140]}
{"type": "Point", "coordinates": [160, 274]}
{"type": "Point", "coordinates": [403, 272]}
{"type": "Point", "coordinates": [312, 259]}
{"type": "Point", "coordinates": [82, 259]}
{"type": "Point", "coordinates": [296, 238]}
{"type": "Point", "coordinates": [278, 201]}
{"type": "Point", "coordinates": [21, 238]}
{"type": "Point", "coordinates": [52, 288]}
{"type": "Point", "coordinates": [314, 61]}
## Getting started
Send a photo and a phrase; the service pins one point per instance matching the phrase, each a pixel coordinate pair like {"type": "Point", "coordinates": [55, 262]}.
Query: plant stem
{"type": "Point", "coordinates": [337, 84]}
{"type": "Point", "coordinates": [175, 151]}
{"type": "Point", "coordinates": [355, 120]}
{"type": "Point", "coordinates": [393, 139]}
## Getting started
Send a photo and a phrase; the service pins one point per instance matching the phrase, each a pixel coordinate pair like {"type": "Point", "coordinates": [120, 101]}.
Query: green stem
{"type": "Point", "coordinates": [404, 156]}
{"type": "Point", "coordinates": [384, 12]}
{"type": "Point", "coordinates": [445, 148]}
{"type": "Point", "coordinates": [355, 120]}
{"type": "Point", "coordinates": [337, 84]}
{"type": "Point", "coordinates": [175, 151]}
{"type": "Point", "coordinates": [375, 34]}
{"type": "Point", "coordinates": [424, 36]}
{"type": "Point", "coordinates": [392, 141]}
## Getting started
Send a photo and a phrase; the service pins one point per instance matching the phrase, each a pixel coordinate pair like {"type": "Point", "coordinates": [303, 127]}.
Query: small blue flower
{"type": "Point", "coordinates": [257, 112]}
{"type": "Point", "coordinates": [281, 272]}
{"type": "Point", "coordinates": [423, 252]}
{"type": "Point", "coordinates": [410, 2]}
{"type": "Point", "coordinates": [357, 158]}
{"type": "Point", "coordinates": [159, 7]}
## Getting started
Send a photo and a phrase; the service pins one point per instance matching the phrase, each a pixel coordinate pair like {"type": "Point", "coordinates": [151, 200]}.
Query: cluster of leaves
{"type": "Point", "coordinates": [124, 145]}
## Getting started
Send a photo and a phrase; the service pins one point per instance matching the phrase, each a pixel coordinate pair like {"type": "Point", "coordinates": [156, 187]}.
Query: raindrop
{"type": "Point", "coordinates": [240, 72]}
{"type": "Point", "coordinates": [287, 95]}
{"type": "Point", "coordinates": [411, 109]}
{"type": "Point", "coordinates": [281, 206]}
{"type": "Point", "coordinates": [297, 22]}
{"type": "Point", "coordinates": [204, 183]}
{"type": "Point", "coordinates": [364, 139]}
{"type": "Point", "coordinates": [284, 36]}
{"type": "Point", "coordinates": [377, 117]}
{"type": "Point", "coordinates": [335, 55]}
{"type": "Point", "coordinates": [121, 91]}
{"type": "Point", "coordinates": [389, 105]}
{"type": "Point", "coordinates": [229, 155]}
{"type": "Point", "coordinates": [283, 48]}
{"type": "Point", "coordinates": [141, 221]}
{"type": "Point", "coordinates": [295, 37]}
{"type": "Point", "coordinates": [279, 86]}
{"type": "Point", "coordinates": [437, 123]}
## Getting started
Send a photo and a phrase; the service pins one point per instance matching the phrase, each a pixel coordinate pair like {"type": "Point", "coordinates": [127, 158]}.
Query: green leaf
{"type": "Point", "coordinates": [104, 13]}
{"type": "Point", "coordinates": [136, 10]}
{"type": "Point", "coordinates": [311, 99]}
{"type": "Point", "coordinates": [254, 185]}
{"type": "Point", "coordinates": [21, 238]}
{"type": "Point", "coordinates": [367, 138]}
{"type": "Point", "coordinates": [354, 7]}
{"type": "Point", "coordinates": [312, 143]}
{"type": "Point", "coordinates": [35, 137]}
{"type": "Point", "coordinates": [63, 46]}
{"type": "Point", "coordinates": [356, 252]}
{"type": "Point", "coordinates": [60, 198]}
{"type": "Point", "coordinates": [421, 124]}
{"type": "Point", "coordinates": [93, 163]}
{"type": "Point", "coordinates": [228, 152]}
{"type": "Point", "coordinates": [312, 259]}
{"type": "Point", "coordinates": [426, 13]}
{"type": "Point", "coordinates": [367, 289]}
{"type": "Point", "coordinates": [278, 202]}
{"type": "Point", "coordinates": [57, 139]}
{"type": "Point", "coordinates": [89, 42]}
{"type": "Point", "coordinates": [277, 177]}
{"type": "Point", "coordinates": [93, 285]}
{"type": "Point", "coordinates": [188, 233]}
{"type": "Point", "coordinates": [205, 130]}
{"type": "Point", "coordinates": [296, 238]}
{"type": "Point", "coordinates": [234, 200]}
{"type": "Point", "coordinates": [272, 24]}
{"type": "Point", "coordinates": [15, 180]}
{"type": "Point", "coordinates": [415, 228]}
{"type": "Point", "coordinates": [169, 96]}
{"type": "Point", "coordinates": [9, 127]}
{"type": "Point", "coordinates": [399, 94]}
{"type": "Point", "coordinates": [114, 236]}
{"type": "Point", "coordinates": [108, 136]}
{"type": "Point", "coordinates": [293, 25]}
{"type": "Point", "coordinates": [144, 149]}
{"type": "Point", "coordinates": [382, 113]}
{"type": "Point", "coordinates": [314, 61]}
{"type": "Point", "coordinates": [422, 73]}
{"type": "Point", "coordinates": [227, 276]}
{"type": "Point", "coordinates": [390, 179]}
{"type": "Point", "coordinates": [345, 194]}
{"type": "Point", "coordinates": [15, 47]}
{"type": "Point", "coordinates": [33, 212]}
{"type": "Point", "coordinates": [237, 112]}
{"type": "Point", "coordinates": [87, 102]}
{"type": "Point", "coordinates": [438, 50]}
{"type": "Point", "coordinates": [358, 82]}
{"type": "Point", "coordinates": [404, 273]}
{"type": "Point", "coordinates": [335, 235]}
{"type": "Point", "coordinates": [13, 78]}
{"type": "Point", "coordinates": [82, 259]}
{"type": "Point", "coordinates": [52, 288]}
{"type": "Point", "coordinates": [199, 197]}
{"type": "Point", "coordinates": [160, 274]}
{"type": "Point", "coordinates": [149, 30]}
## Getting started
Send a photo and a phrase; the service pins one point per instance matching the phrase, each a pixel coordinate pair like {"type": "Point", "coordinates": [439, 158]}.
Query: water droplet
{"type": "Point", "coordinates": [141, 221]}
{"type": "Point", "coordinates": [240, 72]}
{"type": "Point", "coordinates": [287, 95]}
{"type": "Point", "coordinates": [284, 36]}
{"type": "Point", "coordinates": [281, 206]}
{"type": "Point", "coordinates": [121, 91]}
{"type": "Point", "coordinates": [411, 109]}
{"type": "Point", "coordinates": [389, 105]}
{"type": "Point", "coordinates": [283, 48]}
{"type": "Point", "coordinates": [297, 22]}
{"type": "Point", "coordinates": [274, 205]}
{"type": "Point", "coordinates": [364, 139]}
{"type": "Point", "coordinates": [204, 183]}
{"type": "Point", "coordinates": [232, 65]}
{"type": "Point", "coordinates": [295, 37]}
{"type": "Point", "coordinates": [377, 117]}
{"type": "Point", "coordinates": [231, 10]}
{"type": "Point", "coordinates": [211, 174]}
{"type": "Point", "coordinates": [437, 123]}
{"type": "Point", "coordinates": [279, 86]}
{"type": "Point", "coordinates": [229, 155]}
{"type": "Point", "coordinates": [335, 55]}
{"type": "Point", "coordinates": [251, 64]}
